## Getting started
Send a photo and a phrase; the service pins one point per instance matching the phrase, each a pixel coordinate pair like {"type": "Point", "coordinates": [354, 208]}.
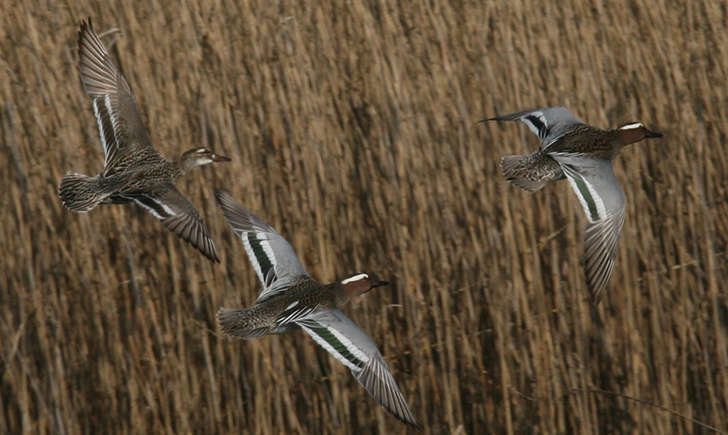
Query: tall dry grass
{"type": "Point", "coordinates": [352, 130]}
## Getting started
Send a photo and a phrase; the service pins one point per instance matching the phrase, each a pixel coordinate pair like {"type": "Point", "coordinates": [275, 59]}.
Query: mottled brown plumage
{"type": "Point", "coordinates": [275, 315]}
{"type": "Point", "coordinates": [531, 172]}
{"type": "Point", "coordinates": [133, 170]}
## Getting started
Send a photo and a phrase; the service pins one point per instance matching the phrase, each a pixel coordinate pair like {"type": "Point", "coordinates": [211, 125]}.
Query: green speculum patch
{"type": "Point", "coordinates": [263, 260]}
{"type": "Point", "coordinates": [338, 345]}
{"type": "Point", "coordinates": [581, 185]}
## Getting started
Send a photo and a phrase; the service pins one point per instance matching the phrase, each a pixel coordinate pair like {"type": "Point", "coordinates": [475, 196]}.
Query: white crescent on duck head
{"type": "Point", "coordinates": [635, 132]}
{"type": "Point", "coordinates": [361, 283]}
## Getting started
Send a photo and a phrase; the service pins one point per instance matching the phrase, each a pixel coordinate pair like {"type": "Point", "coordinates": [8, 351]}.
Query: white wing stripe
{"type": "Point", "coordinates": [291, 305]}
{"type": "Point", "coordinates": [165, 207]}
{"type": "Point", "coordinates": [149, 209]}
{"type": "Point", "coordinates": [112, 116]}
{"type": "Point", "coordinates": [267, 273]}
{"type": "Point", "coordinates": [162, 212]}
{"type": "Point", "coordinates": [100, 123]}
{"type": "Point", "coordinates": [251, 255]}
{"type": "Point", "coordinates": [294, 315]}
{"type": "Point", "coordinates": [265, 244]}
{"type": "Point", "coordinates": [255, 256]}
{"type": "Point", "coordinates": [590, 200]}
{"type": "Point", "coordinates": [273, 258]}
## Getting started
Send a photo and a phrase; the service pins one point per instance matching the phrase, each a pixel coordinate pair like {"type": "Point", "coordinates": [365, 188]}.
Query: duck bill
{"type": "Point", "coordinates": [649, 134]}
{"type": "Point", "coordinates": [380, 283]}
{"type": "Point", "coordinates": [219, 158]}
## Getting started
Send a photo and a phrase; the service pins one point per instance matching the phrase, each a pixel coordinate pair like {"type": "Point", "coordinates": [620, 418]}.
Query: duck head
{"type": "Point", "coordinates": [635, 132]}
{"type": "Point", "coordinates": [199, 157]}
{"type": "Point", "coordinates": [360, 283]}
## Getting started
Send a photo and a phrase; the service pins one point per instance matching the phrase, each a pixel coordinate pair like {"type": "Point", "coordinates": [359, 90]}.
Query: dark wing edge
{"type": "Point", "coordinates": [180, 217]}
{"type": "Point", "coordinates": [601, 242]}
{"type": "Point", "coordinates": [343, 339]}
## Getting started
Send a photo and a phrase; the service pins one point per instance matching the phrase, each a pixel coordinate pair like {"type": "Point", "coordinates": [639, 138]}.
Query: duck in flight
{"type": "Point", "coordinates": [291, 299]}
{"type": "Point", "coordinates": [583, 155]}
{"type": "Point", "coordinates": [133, 170]}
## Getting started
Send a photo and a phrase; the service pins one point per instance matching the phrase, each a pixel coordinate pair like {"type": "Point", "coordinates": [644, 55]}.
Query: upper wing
{"type": "Point", "coordinates": [547, 123]}
{"type": "Point", "coordinates": [120, 125]}
{"type": "Point", "coordinates": [179, 216]}
{"type": "Point", "coordinates": [349, 344]}
{"type": "Point", "coordinates": [600, 194]}
{"type": "Point", "coordinates": [273, 258]}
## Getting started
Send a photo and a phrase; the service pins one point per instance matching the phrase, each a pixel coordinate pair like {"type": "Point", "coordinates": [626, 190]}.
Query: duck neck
{"type": "Point", "coordinates": [177, 170]}
{"type": "Point", "coordinates": [185, 163]}
{"type": "Point", "coordinates": [614, 143]}
{"type": "Point", "coordinates": [342, 295]}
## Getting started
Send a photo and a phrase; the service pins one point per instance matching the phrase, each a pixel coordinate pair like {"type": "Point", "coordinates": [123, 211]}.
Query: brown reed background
{"type": "Point", "coordinates": [352, 129]}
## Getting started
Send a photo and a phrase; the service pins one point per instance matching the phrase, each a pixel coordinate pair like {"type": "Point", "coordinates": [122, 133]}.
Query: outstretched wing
{"type": "Point", "coordinates": [121, 129]}
{"type": "Point", "coordinates": [342, 338]}
{"type": "Point", "coordinates": [179, 216]}
{"type": "Point", "coordinates": [547, 123]}
{"type": "Point", "coordinates": [274, 260]}
{"type": "Point", "coordinates": [600, 194]}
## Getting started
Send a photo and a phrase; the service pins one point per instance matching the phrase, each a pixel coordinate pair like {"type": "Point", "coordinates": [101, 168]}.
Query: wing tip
{"type": "Point", "coordinates": [238, 217]}
{"type": "Point", "coordinates": [597, 279]}
{"type": "Point", "coordinates": [207, 249]}
{"type": "Point", "coordinates": [85, 26]}
{"type": "Point", "coordinates": [377, 370]}
{"type": "Point", "coordinates": [85, 29]}
{"type": "Point", "coordinates": [600, 255]}
{"type": "Point", "coordinates": [194, 232]}
{"type": "Point", "coordinates": [212, 256]}
{"type": "Point", "coordinates": [404, 414]}
{"type": "Point", "coordinates": [596, 290]}
{"type": "Point", "coordinates": [413, 423]}
{"type": "Point", "coordinates": [208, 252]}
{"type": "Point", "coordinates": [407, 417]}
{"type": "Point", "coordinates": [225, 200]}
{"type": "Point", "coordinates": [229, 206]}
{"type": "Point", "coordinates": [222, 195]}
{"type": "Point", "coordinates": [484, 120]}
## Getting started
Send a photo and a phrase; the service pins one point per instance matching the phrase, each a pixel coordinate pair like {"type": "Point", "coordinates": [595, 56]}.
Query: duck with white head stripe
{"type": "Point", "coordinates": [291, 299]}
{"type": "Point", "coordinates": [582, 154]}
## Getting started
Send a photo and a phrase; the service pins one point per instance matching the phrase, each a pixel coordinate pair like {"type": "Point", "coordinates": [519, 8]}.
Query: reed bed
{"type": "Point", "coordinates": [352, 129]}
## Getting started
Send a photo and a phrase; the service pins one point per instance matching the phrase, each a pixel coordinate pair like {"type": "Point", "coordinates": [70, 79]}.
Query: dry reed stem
{"type": "Point", "coordinates": [352, 128]}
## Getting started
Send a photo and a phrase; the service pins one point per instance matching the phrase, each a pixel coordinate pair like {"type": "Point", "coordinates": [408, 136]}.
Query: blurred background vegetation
{"type": "Point", "coordinates": [352, 129]}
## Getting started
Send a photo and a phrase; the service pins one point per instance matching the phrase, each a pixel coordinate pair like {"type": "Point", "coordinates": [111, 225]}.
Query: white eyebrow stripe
{"type": "Point", "coordinates": [355, 278]}
{"type": "Point", "coordinates": [631, 126]}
